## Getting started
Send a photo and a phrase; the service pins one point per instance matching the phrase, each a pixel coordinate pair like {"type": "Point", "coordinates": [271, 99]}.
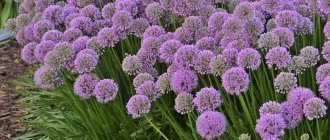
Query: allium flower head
{"type": "Point", "coordinates": [324, 6]}
{"type": "Point", "coordinates": [235, 80]}
{"type": "Point", "coordinates": [105, 90]}
{"type": "Point", "coordinates": [138, 105]}
{"type": "Point", "coordinates": [84, 86]}
{"type": "Point", "coordinates": [288, 19]}
{"type": "Point", "coordinates": [230, 56]}
{"type": "Point", "coordinates": [122, 19]}
{"type": "Point", "coordinates": [27, 54]}
{"type": "Point", "coordinates": [72, 34]}
{"type": "Point", "coordinates": [69, 18]}
{"type": "Point", "coordinates": [82, 3]}
{"type": "Point", "coordinates": [85, 62]}
{"type": "Point", "coordinates": [205, 12]}
{"type": "Point", "coordinates": [326, 51]}
{"type": "Point", "coordinates": [270, 24]}
{"type": "Point", "coordinates": [285, 36]}
{"type": "Point", "coordinates": [192, 24]}
{"type": "Point", "coordinates": [315, 108]}
{"type": "Point", "coordinates": [305, 27]}
{"type": "Point", "coordinates": [108, 11]}
{"type": "Point", "coordinates": [298, 96]}
{"type": "Point", "coordinates": [185, 56]}
{"type": "Point", "coordinates": [244, 137]}
{"type": "Point", "coordinates": [326, 30]}
{"type": "Point", "coordinates": [21, 37]}
{"type": "Point", "coordinates": [218, 65]}
{"type": "Point", "coordinates": [22, 20]}
{"type": "Point", "coordinates": [92, 43]}
{"type": "Point", "coordinates": [298, 64]}
{"type": "Point", "coordinates": [278, 56]}
{"type": "Point", "coordinates": [154, 11]}
{"type": "Point", "coordinates": [126, 5]}
{"type": "Point", "coordinates": [206, 43]}
{"type": "Point", "coordinates": [91, 11]}
{"type": "Point", "coordinates": [154, 31]}
{"type": "Point", "coordinates": [29, 35]}
{"type": "Point", "coordinates": [11, 25]}
{"type": "Point", "coordinates": [164, 83]}
{"type": "Point", "coordinates": [322, 72]}
{"type": "Point", "coordinates": [173, 68]}
{"type": "Point", "coordinates": [148, 57]}
{"type": "Point", "coordinates": [85, 24]}
{"type": "Point", "coordinates": [325, 88]}
{"type": "Point", "coordinates": [131, 65]}
{"type": "Point", "coordinates": [53, 35]}
{"type": "Point", "coordinates": [41, 27]}
{"type": "Point", "coordinates": [211, 124]}
{"type": "Point", "coordinates": [284, 82]}
{"type": "Point", "coordinates": [292, 114]}
{"type": "Point", "coordinates": [54, 13]}
{"type": "Point", "coordinates": [138, 26]}
{"type": "Point", "coordinates": [244, 10]}
{"type": "Point", "coordinates": [233, 27]}
{"type": "Point", "coordinates": [268, 40]}
{"type": "Point", "coordinates": [207, 99]}
{"type": "Point", "coordinates": [187, 7]}
{"type": "Point", "coordinates": [270, 107]}
{"type": "Point", "coordinates": [271, 6]}
{"type": "Point", "coordinates": [150, 45]}
{"type": "Point", "coordinates": [80, 43]}
{"type": "Point", "coordinates": [184, 81]}
{"type": "Point", "coordinates": [216, 21]}
{"type": "Point", "coordinates": [41, 5]}
{"type": "Point", "coordinates": [202, 61]}
{"type": "Point", "coordinates": [184, 103]}
{"type": "Point", "coordinates": [183, 35]}
{"type": "Point", "coordinates": [249, 58]}
{"type": "Point", "coordinates": [47, 78]}
{"type": "Point", "coordinates": [42, 49]}
{"type": "Point", "coordinates": [60, 56]}
{"type": "Point", "coordinates": [311, 55]}
{"type": "Point", "coordinates": [107, 37]}
{"type": "Point", "coordinates": [149, 89]}
{"type": "Point", "coordinates": [270, 126]}
{"type": "Point", "coordinates": [168, 49]}
{"type": "Point", "coordinates": [141, 78]}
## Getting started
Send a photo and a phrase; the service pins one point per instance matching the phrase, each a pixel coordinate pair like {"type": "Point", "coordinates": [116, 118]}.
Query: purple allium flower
{"type": "Point", "coordinates": [322, 72]}
{"type": "Point", "coordinates": [60, 56]}
{"type": "Point", "coordinates": [324, 6]}
{"type": "Point", "coordinates": [80, 43]}
{"type": "Point", "coordinates": [192, 24]}
{"type": "Point", "coordinates": [106, 37]}
{"type": "Point", "coordinates": [230, 56]}
{"type": "Point", "coordinates": [300, 95]}
{"type": "Point", "coordinates": [147, 57]}
{"type": "Point", "coordinates": [270, 24]}
{"type": "Point", "coordinates": [202, 61]}
{"type": "Point", "coordinates": [205, 12]}
{"type": "Point", "coordinates": [89, 51]}
{"type": "Point", "coordinates": [138, 26]}
{"type": "Point", "coordinates": [202, 32]}
{"type": "Point", "coordinates": [235, 80]}
{"type": "Point", "coordinates": [91, 11]}
{"type": "Point", "coordinates": [92, 43]}
{"type": "Point", "coordinates": [69, 18]}
{"type": "Point", "coordinates": [10, 25]}
{"type": "Point", "coordinates": [29, 35]}
{"type": "Point", "coordinates": [244, 10]}
{"type": "Point", "coordinates": [218, 65]}
{"type": "Point", "coordinates": [173, 68]}
{"type": "Point", "coordinates": [131, 65]}
{"type": "Point", "coordinates": [84, 86]}
{"type": "Point", "coordinates": [249, 58]}
{"type": "Point", "coordinates": [270, 126]}
{"type": "Point", "coordinates": [187, 7]}
{"type": "Point", "coordinates": [311, 55]}
{"type": "Point", "coordinates": [164, 83]}
{"type": "Point", "coordinates": [325, 88]}
{"type": "Point", "coordinates": [298, 64]}
{"type": "Point", "coordinates": [27, 54]}
{"type": "Point", "coordinates": [53, 35]}
{"type": "Point", "coordinates": [211, 124]}
{"type": "Point", "coordinates": [47, 78]}
{"type": "Point", "coordinates": [232, 43]}
{"type": "Point", "coordinates": [68, 10]}
{"type": "Point", "coordinates": [41, 27]}
{"type": "Point", "coordinates": [154, 31]}
{"type": "Point", "coordinates": [105, 90]}
{"type": "Point", "coordinates": [278, 56]}
{"type": "Point", "coordinates": [216, 21]}
{"type": "Point", "coordinates": [326, 30]}
{"type": "Point", "coordinates": [122, 19]}
{"type": "Point", "coordinates": [305, 26]}
{"type": "Point", "coordinates": [270, 107]}
{"type": "Point", "coordinates": [268, 40]}
{"type": "Point", "coordinates": [184, 81]}
{"type": "Point", "coordinates": [151, 45]}
{"type": "Point", "coordinates": [72, 34]}
{"type": "Point", "coordinates": [82, 3]}
{"type": "Point", "coordinates": [154, 11]}
{"type": "Point", "coordinates": [54, 13]}
{"type": "Point", "coordinates": [186, 55]}
{"type": "Point", "coordinates": [206, 43]}
{"type": "Point", "coordinates": [85, 62]}
{"type": "Point", "coordinates": [326, 51]}
{"type": "Point", "coordinates": [254, 27]}
{"type": "Point", "coordinates": [41, 5]}
{"type": "Point", "coordinates": [271, 6]}
{"type": "Point", "coordinates": [126, 5]}
{"type": "Point", "coordinates": [288, 19]}
{"type": "Point", "coordinates": [23, 20]}
{"type": "Point", "coordinates": [149, 89]}
{"type": "Point", "coordinates": [285, 36]}
{"type": "Point", "coordinates": [168, 49]}
{"type": "Point", "coordinates": [291, 113]}
{"type": "Point", "coordinates": [108, 11]}
{"type": "Point", "coordinates": [85, 24]}
{"type": "Point", "coordinates": [42, 49]}
{"type": "Point", "coordinates": [183, 35]}
{"type": "Point", "coordinates": [315, 108]}
{"type": "Point", "coordinates": [284, 82]}
{"type": "Point", "coordinates": [138, 105]}
{"type": "Point", "coordinates": [233, 27]}
{"type": "Point", "coordinates": [207, 99]}
{"type": "Point", "coordinates": [184, 103]}
{"type": "Point", "coordinates": [141, 78]}
{"type": "Point", "coordinates": [21, 37]}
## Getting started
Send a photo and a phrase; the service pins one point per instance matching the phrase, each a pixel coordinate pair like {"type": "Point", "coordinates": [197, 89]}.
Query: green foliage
{"type": "Point", "coordinates": [8, 9]}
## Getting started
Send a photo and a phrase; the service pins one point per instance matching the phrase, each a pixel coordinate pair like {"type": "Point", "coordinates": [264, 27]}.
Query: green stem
{"type": "Point", "coordinates": [156, 128]}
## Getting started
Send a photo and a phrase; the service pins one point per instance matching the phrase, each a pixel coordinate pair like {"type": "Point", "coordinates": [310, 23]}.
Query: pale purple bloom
{"type": "Point", "coordinates": [10, 25]}
{"type": "Point", "coordinates": [91, 11]}
{"type": "Point", "coordinates": [233, 27]}
{"type": "Point", "coordinates": [324, 6]}
{"type": "Point", "coordinates": [278, 56]}
{"type": "Point", "coordinates": [184, 81]}
{"type": "Point", "coordinates": [202, 61]}
{"type": "Point", "coordinates": [326, 51]}
{"type": "Point", "coordinates": [54, 13]}
{"type": "Point", "coordinates": [131, 65]}
{"type": "Point", "coordinates": [192, 24]}
{"type": "Point", "coordinates": [315, 108]}
{"type": "Point", "coordinates": [270, 107]}
{"type": "Point", "coordinates": [284, 82]}
{"type": "Point", "coordinates": [126, 5]}
{"type": "Point", "coordinates": [310, 54]}
{"type": "Point", "coordinates": [84, 86]}
{"type": "Point", "coordinates": [326, 30]}
{"type": "Point", "coordinates": [183, 35]}
{"type": "Point", "coordinates": [27, 54]}
{"type": "Point", "coordinates": [72, 34]}
{"type": "Point", "coordinates": [173, 68]}
{"type": "Point", "coordinates": [187, 7]}
{"type": "Point", "coordinates": [322, 72]}
{"type": "Point", "coordinates": [305, 26]}
{"type": "Point", "coordinates": [288, 19]}
{"type": "Point", "coordinates": [185, 56]}
{"type": "Point", "coordinates": [47, 78]}
{"type": "Point", "coordinates": [235, 80]}
{"type": "Point", "coordinates": [184, 103]}
{"type": "Point", "coordinates": [292, 114]}
{"type": "Point", "coordinates": [60, 56]}
{"type": "Point", "coordinates": [164, 83]}
{"type": "Point", "coordinates": [168, 49]}
{"type": "Point", "coordinates": [41, 5]}
{"type": "Point", "coordinates": [138, 105]}
{"type": "Point", "coordinates": [20, 37]}
{"type": "Point", "coordinates": [285, 36]}
{"type": "Point", "coordinates": [41, 27]}
{"type": "Point", "coordinates": [85, 24]}
{"type": "Point", "coordinates": [107, 37]}
{"type": "Point", "coordinates": [271, 6]}
{"type": "Point", "coordinates": [69, 18]}
{"type": "Point", "coordinates": [207, 99]}
{"type": "Point", "coordinates": [80, 43]}
{"type": "Point", "coordinates": [53, 35]}
{"type": "Point", "coordinates": [122, 19]}
{"type": "Point", "coordinates": [22, 20]}
{"type": "Point", "coordinates": [216, 21]}
{"type": "Point", "coordinates": [270, 24]}
{"type": "Point", "coordinates": [205, 12]}
{"type": "Point", "coordinates": [298, 64]}
{"type": "Point", "coordinates": [141, 78]}
{"type": "Point", "coordinates": [154, 31]}
{"type": "Point", "coordinates": [218, 65]}
{"type": "Point", "coordinates": [138, 26]}
{"type": "Point", "coordinates": [202, 32]}
{"type": "Point", "coordinates": [147, 57]}
{"type": "Point", "coordinates": [244, 10]}
{"type": "Point", "coordinates": [149, 89]}
{"type": "Point", "coordinates": [206, 43]}
{"type": "Point", "coordinates": [325, 88]}
{"type": "Point", "coordinates": [105, 90]}
{"type": "Point", "coordinates": [42, 49]}
{"type": "Point", "coordinates": [249, 58]}
{"type": "Point", "coordinates": [154, 11]}
{"type": "Point", "coordinates": [270, 126]}
{"type": "Point", "coordinates": [230, 56]}
{"type": "Point", "coordinates": [85, 62]}
{"type": "Point", "coordinates": [211, 124]}
{"type": "Point", "coordinates": [108, 11]}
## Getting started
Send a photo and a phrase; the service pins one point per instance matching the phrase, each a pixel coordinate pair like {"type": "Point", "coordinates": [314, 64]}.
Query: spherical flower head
{"type": "Point", "coordinates": [292, 114]}
{"type": "Point", "coordinates": [233, 27]}
{"type": "Point", "coordinates": [206, 43]}
{"type": "Point", "coordinates": [10, 25]}
{"type": "Point", "coordinates": [60, 56]}
{"type": "Point", "coordinates": [47, 78]}
{"type": "Point", "coordinates": [184, 103]}
{"type": "Point", "coordinates": [91, 11]}
{"type": "Point", "coordinates": [69, 18]}
{"type": "Point", "coordinates": [84, 86]}
{"type": "Point", "coordinates": [127, 5]}
{"type": "Point", "coordinates": [138, 105]}
{"type": "Point", "coordinates": [271, 6]}
{"type": "Point", "coordinates": [289, 19]}
{"type": "Point", "coordinates": [108, 11]}
{"type": "Point", "coordinates": [254, 28]}
{"type": "Point", "coordinates": [202, 61]}
{"type": "Point", "coordinates": [80, 43]}
{"type": "Point", "coordinates": [41, 27]}
{"type": "Point", "coordinates": [138, 26]}
{"type": "Point", "coordinates": [205, 12]}
{"type": "Point", "coordinates": [131, 65]}
{"type": "Point", "coordinates": [107, 37]}
{"type": "Point", "coordinates": [284, 82]}
{"type": "Point", "coordinates": [154, 31]}
{"type": "Point", "coordinates": [164, 83]}
{"type": "Point", "coordinates": [325, 88]}
{"type": "Point", "coordinates": [315, 108]}
{"type": "Point", "coordinates": [270, 24]}
{"type": "Point", "coordinates": [21, 37]}
{"type": "Point", "coordinates": [326, 30]}
{"type": "Point", "coordinates": [141, 78]}
{"type": "Point", "coordinates": [244, 137]}
{"type": "Point", "coordinates": [298, 96]}
{"type": "Point", "coordinates": [235, 80]}
{"type": "Point", "coordinates": [147, 56]}
{"type": "Point", "coordinates": [218, 65]}
{"type": "Point", "coordinates": [184, 81]}
{"type": "Point", "coordinates": [207, 99]}
{"type": "Point", "coordinates": [311, 55]}
{"type": "Point", "coordinates": [22, 20]}
{"type": "Point", "coordinates": [270, 126]}
{"type": "Point", "coordinates": [54, 13]}
{"type": "Point", "coordinates": [105, 90]}
{"type": "Point", "coordinates": [185, 56]}
{"type": "Point", "coordinates": [72, 34]}
{"type": "Point", "coordinates": [29, 35]}
{"type": "Point", "coordinates": [168, 49]}
{"type": "Point", "coordinates": [173, 68]}
{"type": "Point", "coordinates": [122, 19]}
{"type": "Point", "coordinates": [326, 51]}
{"type": "Point", "coordinates": [216, 21]}
{"type": "Point", "coordinates": [85, 63]}
{"type": "Point", "coordinates": [268, 40]}
{"type": "Point", "coordinates": [211, 124]}
{"type": "Point", "coordinates": [298, 64]}
{"type": "Point", "coordinates": [304, 137]}
{"type": "Point", "coordinates": [192, 24]}
{"type": "Point", "coordinates": [187, 7]}
{"type": "Point", "coordinates": [230, 56]}
{"type": "Point", "coordinates": [27, 54]}
{"type": "Point", "coordinates": [305, 27]}
{"type": "Point", "coordinates": [249, 58]}
{"type": "Point", "coordinates": [244, 10]}
{"type": "Point", "coordinates": [52, 35]}
{"type": "Point", "coordinates": [154, 11]}
{"type": "Point", "coordinates": [151, 45]}
{"type": "Point", "coordinates": [149, 89]}
{"type": "Point", "coordinates": [285, 36]}
{"type": "Point", "coordinates": [41, 5]}
{"type": "Point", "coordinates": [322, 72]}
{"type": "Point", "coordinates": [324, 6]}
{"type": "Point", "coordinates": [42, 49]}
{"type": "Point", "coordinates": [183, 35]}
{"type": "Point", "coordinates": [278, 56]}
{"type": "Point", "coordinates": [270, 107]}
{"type": "Point", "coordinates": [85, 24]}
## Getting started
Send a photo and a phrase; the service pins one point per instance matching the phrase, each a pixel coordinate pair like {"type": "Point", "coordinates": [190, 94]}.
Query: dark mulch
{"type": "Point", "coordinates": [11, 68]}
